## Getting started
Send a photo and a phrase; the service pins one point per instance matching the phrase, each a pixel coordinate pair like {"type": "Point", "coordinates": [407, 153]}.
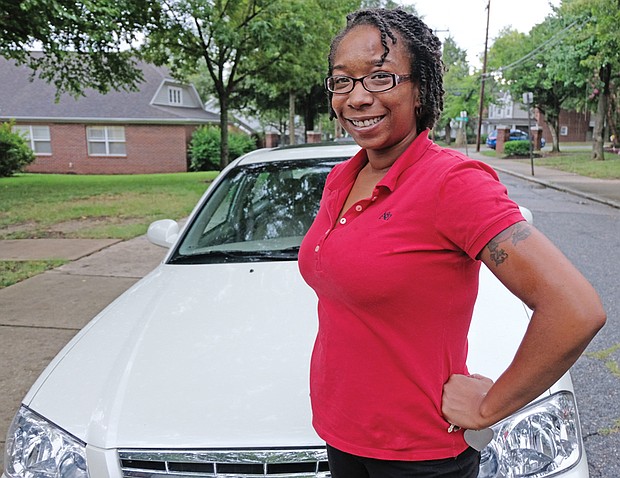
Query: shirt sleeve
{"type": "Point", "coordinates": [473, 206]}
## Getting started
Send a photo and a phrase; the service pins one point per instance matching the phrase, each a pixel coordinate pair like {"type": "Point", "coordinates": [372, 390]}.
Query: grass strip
{"type": "Point", "coordinates": [12, 272]}
{"type": "Point", "coordinates": [581, 163]}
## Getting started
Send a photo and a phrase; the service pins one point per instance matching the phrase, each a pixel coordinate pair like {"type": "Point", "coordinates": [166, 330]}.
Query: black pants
{"type": "Point", "coordinates": [345, 465]}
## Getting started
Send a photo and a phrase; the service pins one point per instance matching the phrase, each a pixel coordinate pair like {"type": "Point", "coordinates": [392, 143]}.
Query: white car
{"type": "Point", "coordinates": [201, 368]}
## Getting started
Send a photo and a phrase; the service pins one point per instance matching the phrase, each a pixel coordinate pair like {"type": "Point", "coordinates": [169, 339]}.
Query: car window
{"type": "Point", "coordinates": [257, 212]}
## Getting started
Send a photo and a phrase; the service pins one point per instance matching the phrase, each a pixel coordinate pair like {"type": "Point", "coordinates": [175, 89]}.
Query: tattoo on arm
{"type": "Point", "coordinates": [515, 233]}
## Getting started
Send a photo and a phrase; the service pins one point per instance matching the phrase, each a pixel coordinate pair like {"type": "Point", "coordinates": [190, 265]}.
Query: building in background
{"type": "Point", "coordinates": [146, 131]}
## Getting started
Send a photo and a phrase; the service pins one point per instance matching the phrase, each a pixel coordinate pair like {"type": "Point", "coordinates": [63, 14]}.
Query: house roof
{"type": "Point", "coordinates": [25, 97]}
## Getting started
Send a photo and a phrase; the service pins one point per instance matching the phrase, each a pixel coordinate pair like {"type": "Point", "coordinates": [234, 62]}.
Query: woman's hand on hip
{"type": "Point", "coordinates": [462, 396]}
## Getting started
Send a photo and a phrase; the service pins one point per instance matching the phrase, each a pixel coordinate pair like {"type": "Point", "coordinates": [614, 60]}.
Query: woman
{"type": "Point", "coordinates": [394, 256]}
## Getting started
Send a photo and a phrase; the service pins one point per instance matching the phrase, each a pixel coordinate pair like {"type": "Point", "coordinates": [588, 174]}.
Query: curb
{"type": "Point", "coordinates": [558, 187]}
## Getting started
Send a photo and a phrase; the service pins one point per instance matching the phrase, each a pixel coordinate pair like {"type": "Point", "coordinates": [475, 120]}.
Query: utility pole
{"type": "Point", "coordinates": [484, 76]}
{"type": "Point", "coordinates": [528, 99]}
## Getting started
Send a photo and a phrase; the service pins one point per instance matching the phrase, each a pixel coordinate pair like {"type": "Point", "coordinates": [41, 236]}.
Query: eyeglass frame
{"type": "Point", "coordinates": [396, 80]}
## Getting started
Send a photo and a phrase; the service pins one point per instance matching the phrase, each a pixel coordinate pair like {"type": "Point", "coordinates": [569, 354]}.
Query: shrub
{"type": "Point", "coordinates": [517, 148]}
{"type": "Point", "coordinates": [14, 151]}
{"type": "Point", "coordinates": [204, 148]}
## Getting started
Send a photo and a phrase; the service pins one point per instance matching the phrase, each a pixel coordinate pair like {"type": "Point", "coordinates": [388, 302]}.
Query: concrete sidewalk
{"type": "Point", "coordinates": [40, 315]}
{"type": "Point", "coordinates": [605, 191]}
{"type": "Point", "coordinates": [40, 249]}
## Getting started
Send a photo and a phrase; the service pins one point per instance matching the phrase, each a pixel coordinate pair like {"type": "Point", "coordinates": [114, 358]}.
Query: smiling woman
{"type": "Point", "coordinates": [390, 389]}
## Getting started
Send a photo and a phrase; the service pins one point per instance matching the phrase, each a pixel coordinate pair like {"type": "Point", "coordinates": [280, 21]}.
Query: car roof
{"type": "Point", "coordinates": [300, 152]}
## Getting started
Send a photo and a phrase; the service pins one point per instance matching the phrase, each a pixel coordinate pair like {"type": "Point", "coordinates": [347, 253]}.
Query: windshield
{"type": "Point", "coordinates": [257, 212]}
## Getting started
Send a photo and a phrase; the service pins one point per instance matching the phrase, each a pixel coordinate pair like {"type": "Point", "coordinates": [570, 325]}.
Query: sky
{"type": "Point", "coordinates": [466, 20]}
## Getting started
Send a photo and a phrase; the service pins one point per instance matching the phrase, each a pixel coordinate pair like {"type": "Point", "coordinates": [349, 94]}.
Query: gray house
{"type": "Point", "coordinates": [146, 131]}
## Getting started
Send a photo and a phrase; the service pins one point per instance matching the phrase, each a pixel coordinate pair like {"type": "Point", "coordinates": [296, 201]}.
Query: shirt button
{"type": "Point", "coordinates": [374, 198]}
{"type": "Point", "coordinates": [316, 249]}
{"type": "Point", "coordinates": [343, 220]}
{"type": "Point", "coordinates": [358, 208]}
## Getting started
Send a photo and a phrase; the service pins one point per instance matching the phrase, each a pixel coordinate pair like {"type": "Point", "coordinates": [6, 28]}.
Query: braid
{"type": "Point", "coordinates": [424, 48]}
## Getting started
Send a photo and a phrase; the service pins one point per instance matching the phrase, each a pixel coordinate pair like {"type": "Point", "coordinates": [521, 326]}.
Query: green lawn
{"type": "Point", "coordinates": [117, 206]}
{"type": "Point", "coordinates": [580, 163]}
{"type": "Point", "coordinates": [576, 160]}
{"type": "Point", "coordinates": [89, 207]}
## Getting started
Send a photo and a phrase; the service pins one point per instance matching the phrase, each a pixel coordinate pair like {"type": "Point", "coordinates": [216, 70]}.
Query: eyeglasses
{"type": "Point", "coordinates": [374, 83]}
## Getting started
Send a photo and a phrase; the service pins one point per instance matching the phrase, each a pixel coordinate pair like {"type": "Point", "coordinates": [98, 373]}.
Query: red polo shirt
{"type": "Point", "coordinates": [396, 280]}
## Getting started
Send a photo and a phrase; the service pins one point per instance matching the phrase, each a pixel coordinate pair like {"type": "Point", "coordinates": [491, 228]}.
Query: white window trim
{"type": "Point", "coordinates": [32, 141]}
{"type": "Point", "coordinates": [106, 141]}
{"type": "Point", "coordinates": [175, 95]}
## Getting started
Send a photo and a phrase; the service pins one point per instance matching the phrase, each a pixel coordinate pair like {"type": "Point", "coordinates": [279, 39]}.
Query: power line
{"type": "Point", "coordinates": [539, 49]}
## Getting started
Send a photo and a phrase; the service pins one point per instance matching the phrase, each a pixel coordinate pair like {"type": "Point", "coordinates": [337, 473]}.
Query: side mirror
{"type": "Point", "coordinates": [163, 233]}
{"type": "Point", "coordinates": [527, 214]}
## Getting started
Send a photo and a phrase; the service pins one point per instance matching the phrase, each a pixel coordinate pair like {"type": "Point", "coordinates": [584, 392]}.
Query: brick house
{"type": "Point", "coordinates": [574, 126]}
{"type": "Point", "coordinates": [121, 132]}
{"type": "Point", "coordinates": [506, 112]}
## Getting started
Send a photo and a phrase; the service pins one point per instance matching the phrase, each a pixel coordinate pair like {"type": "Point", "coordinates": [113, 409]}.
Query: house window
{"type": "Point", "coordinates": [175, 95]}
{"type": "Point", "coordinates": [563, 130]}
{"type": "Point", "coordinates": [106, 140]}
{"type": "Point", "coordinates": [38, 138]}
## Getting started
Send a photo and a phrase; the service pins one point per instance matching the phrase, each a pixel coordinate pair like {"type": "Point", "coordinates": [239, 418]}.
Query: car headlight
{"type": "Point", "coordinates": [36, 448]}
{"type": "Point", "coordinates": [540, 440]}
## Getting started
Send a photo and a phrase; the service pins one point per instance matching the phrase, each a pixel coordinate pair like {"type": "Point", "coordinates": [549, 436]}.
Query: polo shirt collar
{"type": "Point", "coordinates": [411, 155]}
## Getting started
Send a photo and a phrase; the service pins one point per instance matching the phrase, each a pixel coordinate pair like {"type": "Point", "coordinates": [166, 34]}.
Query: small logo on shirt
{"type": "Point", "coordinates": [386, 215]}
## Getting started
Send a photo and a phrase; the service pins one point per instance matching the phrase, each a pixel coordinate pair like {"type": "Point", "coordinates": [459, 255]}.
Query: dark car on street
{"type": "Point", "coordinates": [515, 135]}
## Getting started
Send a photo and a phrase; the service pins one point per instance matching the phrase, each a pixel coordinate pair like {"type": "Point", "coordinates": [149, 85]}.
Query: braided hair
{"type": "Point", "coordinates": [424, 48]}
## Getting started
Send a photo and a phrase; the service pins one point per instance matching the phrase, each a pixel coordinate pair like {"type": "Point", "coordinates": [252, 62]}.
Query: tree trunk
{"type": "Point", "coordinates": [554, 126]}
{"type": "Point", "coordinates": [291, 117]}
{"type": "Point", "coordinates": [552, 117]}
{"type": "Point", "coordinates": [223, 132]}
{"type": "Point", "coordinates": [448, 138]}
{"type": "Point", "coordinates": [612, 122]}
{"type": "Point", "coordinates": [598, 142]}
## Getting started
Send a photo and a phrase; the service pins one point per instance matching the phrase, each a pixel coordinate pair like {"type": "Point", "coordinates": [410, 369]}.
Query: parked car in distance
{"type": "Point", "coordinates": [515, 135]}
{"type": "Point", "coordinates": [201, 368]}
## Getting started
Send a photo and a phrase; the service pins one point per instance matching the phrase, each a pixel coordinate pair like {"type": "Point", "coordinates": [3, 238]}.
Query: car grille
{"type": "Point", "coordinates": [298, 463]}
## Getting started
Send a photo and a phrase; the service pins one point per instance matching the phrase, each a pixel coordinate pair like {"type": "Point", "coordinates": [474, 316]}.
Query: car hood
{"type": "Point", "coordinates": [201, 356]}
{"type": "Point", "coordinates": [209, 355]}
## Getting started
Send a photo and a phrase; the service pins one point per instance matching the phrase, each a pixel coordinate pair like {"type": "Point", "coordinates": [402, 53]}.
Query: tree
{"type": "Point", "coordinates": [85, 44]}
{"type": "Point", "coordinates": [239, 43]}
{"type": "Point", "coordinates": [461, 87]}
{"type": "Point", "coordinates": [531, 63]}
{"type": "Point", "coordinates": [598, 46]}
{"type": "Point", "coordinates": [301, 72]}
{"type": "Point", "coordinates": [14, 151]}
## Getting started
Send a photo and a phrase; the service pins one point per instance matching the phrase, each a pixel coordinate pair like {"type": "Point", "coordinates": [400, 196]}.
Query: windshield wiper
{"type": "Point", "coordinates": [235, 256]}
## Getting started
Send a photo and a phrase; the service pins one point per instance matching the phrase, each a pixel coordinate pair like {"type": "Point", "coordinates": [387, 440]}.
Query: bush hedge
{"type": "Point", "coordinates": [517, 148]}
{"type": "Point", "coordinates": [204, 148]}
{"type": "Point", "coordinates": [15, 153]}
